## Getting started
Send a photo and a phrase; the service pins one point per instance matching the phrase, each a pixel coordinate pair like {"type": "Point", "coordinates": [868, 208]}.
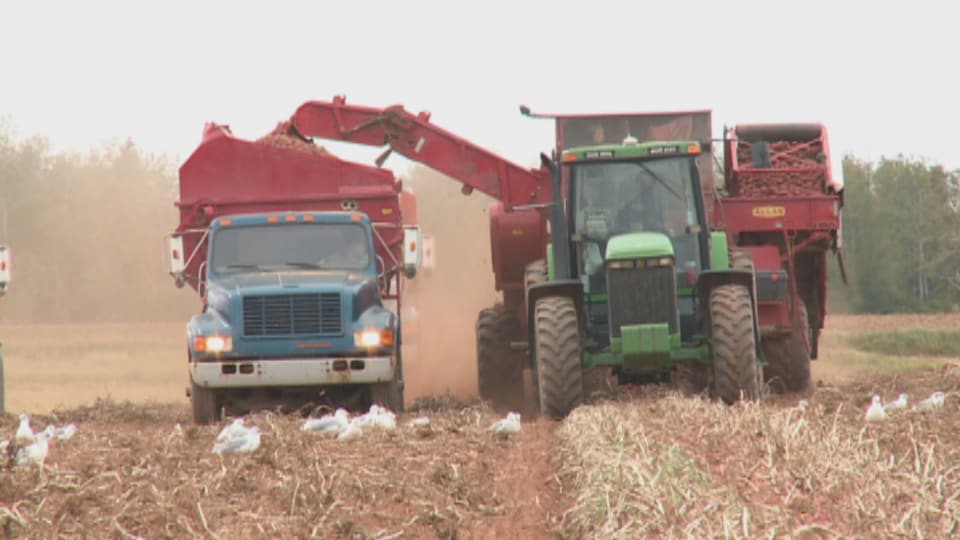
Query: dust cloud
{"type": "Point", "coordinates": [440, 356]}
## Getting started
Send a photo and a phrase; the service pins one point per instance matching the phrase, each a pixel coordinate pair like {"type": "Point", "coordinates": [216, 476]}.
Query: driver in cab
{"type": "Point", "coordinates": [640, 212]}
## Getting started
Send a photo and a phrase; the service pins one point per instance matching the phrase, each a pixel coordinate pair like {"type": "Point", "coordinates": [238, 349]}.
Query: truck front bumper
{"type": "Point", "coordinates": [293, 372]}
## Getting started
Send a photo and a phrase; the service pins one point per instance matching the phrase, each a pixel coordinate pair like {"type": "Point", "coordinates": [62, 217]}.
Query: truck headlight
{"type": "Point", "coordinates": [213, 344]}
{"type": "Point", "coordinates": [372, 337]}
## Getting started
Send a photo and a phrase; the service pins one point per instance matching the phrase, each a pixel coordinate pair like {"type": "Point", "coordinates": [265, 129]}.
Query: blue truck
{"type": "Point", "coordinates": [294, 255]}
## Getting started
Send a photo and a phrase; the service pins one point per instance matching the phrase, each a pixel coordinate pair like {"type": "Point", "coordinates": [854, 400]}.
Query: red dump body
{"type": "Point", "coordinates": [280, 173]}
{"type": "Point", "coordinates": [783, 203]}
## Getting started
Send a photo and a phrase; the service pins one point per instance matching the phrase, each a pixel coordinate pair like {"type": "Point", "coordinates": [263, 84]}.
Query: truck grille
{"type": "Point", "coordinates": [642, 296]}
{"type": "Point", "coordinates": [291, 314]}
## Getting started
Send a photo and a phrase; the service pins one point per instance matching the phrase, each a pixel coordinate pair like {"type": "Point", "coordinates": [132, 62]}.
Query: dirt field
{"type": "Point", "coordinates": [649, 464]}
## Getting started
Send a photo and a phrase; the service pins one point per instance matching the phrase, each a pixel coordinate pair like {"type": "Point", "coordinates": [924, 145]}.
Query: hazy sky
{"type": "Point", "coordinates": [881, 75]}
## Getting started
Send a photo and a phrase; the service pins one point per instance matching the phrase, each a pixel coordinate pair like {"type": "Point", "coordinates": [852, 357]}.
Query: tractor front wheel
{"type": "Point", "coordinates": [557, 350]}
{"type": "Point", "coordinates": [735, 367]}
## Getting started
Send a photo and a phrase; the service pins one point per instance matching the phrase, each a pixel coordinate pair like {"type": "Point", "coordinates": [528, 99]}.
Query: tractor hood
{"type": "Point", "coordinates": [638, 245]}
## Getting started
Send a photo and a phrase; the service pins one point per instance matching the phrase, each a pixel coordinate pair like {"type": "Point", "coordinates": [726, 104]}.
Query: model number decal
{"type": "Point", "coordinates": [769, 211]}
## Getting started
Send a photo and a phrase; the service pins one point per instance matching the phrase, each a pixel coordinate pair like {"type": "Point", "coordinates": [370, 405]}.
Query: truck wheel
{"type": "Point", "coordinates": [390, 394]}
{"type": "Point", "coordinates": [556, 336]}
{"type": "Point", "coordinates": [734, 346]}
{"type": "Point", "coordinates": [204, 403]}
{"type": "Point", "coordinates": [788, 359]}
{"type": "Point", "coordinates": [499, 370]}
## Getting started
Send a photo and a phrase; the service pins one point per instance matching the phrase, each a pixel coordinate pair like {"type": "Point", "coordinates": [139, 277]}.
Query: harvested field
{"type": "Point", "coordinates": [647, 463]}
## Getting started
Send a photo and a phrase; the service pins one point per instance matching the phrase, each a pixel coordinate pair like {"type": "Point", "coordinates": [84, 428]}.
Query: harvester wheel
{"type": "Point", "coordinates": [558, 356]}
{"type": "Point", "coordinates": [390, 394]}
{"type": "Point", "coordinates": [788, 359]}
{"type": "Point", "coordinates": [741, 259]}
{"type": "Point", "coordinates": [204, 403]}
{"type": "Point", "coordinates": [734, 346]}
{"type": "Point", "coordinates": [499, 370]}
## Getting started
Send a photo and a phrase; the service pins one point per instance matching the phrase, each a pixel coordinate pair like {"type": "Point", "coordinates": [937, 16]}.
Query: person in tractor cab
{"type": "Point", "coordinates": [642, 211]}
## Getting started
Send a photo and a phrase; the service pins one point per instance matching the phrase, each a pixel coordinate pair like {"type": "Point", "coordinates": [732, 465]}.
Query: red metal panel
{"type": "Point", "coordinates": [516, 238]}
{"type": "Point", "coordinates": [810, 213]}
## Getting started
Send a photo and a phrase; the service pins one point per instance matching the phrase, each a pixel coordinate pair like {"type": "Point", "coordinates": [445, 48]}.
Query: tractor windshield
{"type": "Point", "coordinates": [630, 196]}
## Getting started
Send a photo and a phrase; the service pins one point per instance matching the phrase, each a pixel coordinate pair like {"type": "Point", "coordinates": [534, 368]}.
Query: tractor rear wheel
{"type": "Point", "coordinates": [204, 404]}
{"type": "Point", "coordinates": [734, 347]}
{"type": "Point", "coordinates": [557, 350]}
{"type": "Point", "coordinates": [499, 370]}
{"type": "Point", "coordinates": [788, 359]}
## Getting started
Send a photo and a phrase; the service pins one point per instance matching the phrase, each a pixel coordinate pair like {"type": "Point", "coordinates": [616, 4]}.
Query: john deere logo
{"type": "Point", "coordinates": [769, 211]}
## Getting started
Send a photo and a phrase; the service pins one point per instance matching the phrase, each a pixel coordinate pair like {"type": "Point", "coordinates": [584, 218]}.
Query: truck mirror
{"type": "Point", "coordinates": [5, 269]}
{"type": "Point", "coordinates": [412, 250]}
{"type": "Point", "coordinates": [176, 258]}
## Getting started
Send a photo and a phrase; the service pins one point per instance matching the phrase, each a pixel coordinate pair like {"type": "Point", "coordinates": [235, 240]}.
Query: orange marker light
{"type": "Point", "coordinates": [225, 221]}
{"type": "Point", "coordinates": [413, 246]}
{"type": "Point", "coordinates": [273, 219]}
{"type": "Point", "coordinates": [290, 218]}
{"type": "Point", "coordinates": [308, 217]}
{"type": "Point", "coordinates": [355, 217]}
{"type": "Point", "coordinates": [693, 149]}
{"type": "Point", "coordinates": [569, 157]}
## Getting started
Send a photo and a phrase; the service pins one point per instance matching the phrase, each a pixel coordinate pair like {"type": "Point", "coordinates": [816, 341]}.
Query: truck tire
{"type": "Point", "coordinates": [788, 359]}
{"type": "Point", "coordinates": [557, 353]}
{"type": "Point", "coordinates": [735, 370]}
{"type": "Point", "coordinates": [206, 410]}
{"type": "Point", "coordinates": [499, 370]}
{"type": "Point", "coordinates": [390, 394]}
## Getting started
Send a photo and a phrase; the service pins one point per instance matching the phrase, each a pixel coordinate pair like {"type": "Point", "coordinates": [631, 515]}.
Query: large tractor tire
{"type": "Point", "coordinates": [535, 272]}
{"type": "Point", "coordinates": [788, 359]}
{"type": "Point", "coordinates": [735, 369]}
{"type": "Point", "coordinates": [557, 350]}
{"type": "Point", "coordinates": [390, 394]}
{"type": "Point", "coordinates": [499, 370]}
{"type": "Point", "coordinates": [206, 410]}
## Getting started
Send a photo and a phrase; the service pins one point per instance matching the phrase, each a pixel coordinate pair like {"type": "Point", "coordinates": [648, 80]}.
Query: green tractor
{"type": "Point", "coordinates": [635, 282]}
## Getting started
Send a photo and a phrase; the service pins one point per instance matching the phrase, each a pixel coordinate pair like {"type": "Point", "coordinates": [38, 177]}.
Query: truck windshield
{"type": "Point", "coordinates": [329, 246]}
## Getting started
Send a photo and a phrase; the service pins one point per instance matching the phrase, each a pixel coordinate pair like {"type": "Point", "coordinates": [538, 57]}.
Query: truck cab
{"type": "Point", "coordinates": [292, 310]}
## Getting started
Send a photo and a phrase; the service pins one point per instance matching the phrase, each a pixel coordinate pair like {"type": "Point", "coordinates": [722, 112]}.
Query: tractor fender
{"type": "Point", "coordinates": [710, 279]}
{"type": "Point", "coordinates": [570, 288]}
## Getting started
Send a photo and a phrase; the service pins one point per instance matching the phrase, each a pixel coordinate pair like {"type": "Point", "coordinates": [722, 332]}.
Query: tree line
{"type": "Point", "coordinates": [87, 234]}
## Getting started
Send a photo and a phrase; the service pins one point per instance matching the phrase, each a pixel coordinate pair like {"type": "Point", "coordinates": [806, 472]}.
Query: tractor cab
{"type": "Point", "coordinates": [639, 235]}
